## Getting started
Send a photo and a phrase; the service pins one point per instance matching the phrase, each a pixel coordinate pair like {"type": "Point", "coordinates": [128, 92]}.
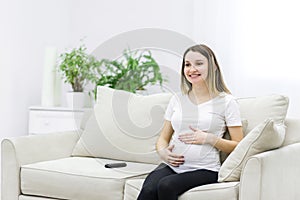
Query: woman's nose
{"type": "Point", "coordinates": [193, 67]}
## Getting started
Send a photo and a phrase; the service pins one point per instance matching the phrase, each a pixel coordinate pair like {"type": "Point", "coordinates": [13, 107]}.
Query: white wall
{"type": "Point", "coordinates": [103, 20]}
{"type": "Point", "coordinates": [27, 27]}
{"type": "Point", "coordinates": [256, 47]}
{"type": "Point", "coordinates": [99, 20]}
{"type": "Point", "coordinates": [257, 43]}
{"type": "Point", "coordinates": [270, 49]}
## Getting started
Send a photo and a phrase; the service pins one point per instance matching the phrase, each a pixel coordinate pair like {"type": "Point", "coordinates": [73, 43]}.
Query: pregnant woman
{"type": "Point", "coordinates": [195, 122]}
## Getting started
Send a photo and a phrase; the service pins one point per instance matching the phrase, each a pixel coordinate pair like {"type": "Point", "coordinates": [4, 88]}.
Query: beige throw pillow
{"type": "Point", "coordinates": [265, 136]}
{"type": "Point", "coordinates": [123, 126]}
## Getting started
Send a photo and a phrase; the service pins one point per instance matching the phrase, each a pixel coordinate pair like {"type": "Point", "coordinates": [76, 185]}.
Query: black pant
{"type": "Point", "coordinates": [165, 184]}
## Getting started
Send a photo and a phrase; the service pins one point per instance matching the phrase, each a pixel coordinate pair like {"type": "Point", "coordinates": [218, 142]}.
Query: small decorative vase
{"type": "Point", "coordinates": [75, 100]}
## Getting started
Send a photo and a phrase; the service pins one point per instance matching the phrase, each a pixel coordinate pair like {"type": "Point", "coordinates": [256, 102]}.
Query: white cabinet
{"type": "Point", "coordinates": [53, 119]}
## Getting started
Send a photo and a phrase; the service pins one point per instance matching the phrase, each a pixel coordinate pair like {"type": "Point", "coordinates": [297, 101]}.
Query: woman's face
{"type": "Point", "coordinates": [195, 67]}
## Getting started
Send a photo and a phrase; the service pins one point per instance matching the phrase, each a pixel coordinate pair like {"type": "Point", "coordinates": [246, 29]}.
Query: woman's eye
{"type": "Point", "coordinates": [187, 64]}
{"type": "Point", "coordinates": [199, 63]}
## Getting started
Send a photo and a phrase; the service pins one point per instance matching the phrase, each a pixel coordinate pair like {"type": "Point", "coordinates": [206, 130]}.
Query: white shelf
{"type": "Point", "coordinates": [54, 119]}
{"type": "Point", "coordinates": [57, 108]}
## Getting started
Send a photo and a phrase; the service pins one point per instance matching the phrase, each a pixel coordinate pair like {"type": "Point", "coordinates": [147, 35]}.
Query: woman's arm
{"type": "Point", "coordinates": [227, 146]}
{"type": "Point", "coordinates": [201, 137]}
{"type": "Point", "coordinates": [163, 148]}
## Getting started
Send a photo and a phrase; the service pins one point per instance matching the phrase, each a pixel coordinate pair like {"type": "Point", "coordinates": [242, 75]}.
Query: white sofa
{"type": "Point", "coordinates": [123, 126]}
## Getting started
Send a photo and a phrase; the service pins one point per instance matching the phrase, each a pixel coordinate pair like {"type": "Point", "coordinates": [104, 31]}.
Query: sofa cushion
{"type": "Point", "coordinates": [218, 191]}
{"type": "Point", "coordinates": [265, 136]}
{"type": "Point", "coordinates": [257, 109]}
{"type": "Point", "coordinates": [79, 178]}
{"type": "Point", "coordinates": [123, 126]}
{"type": "Point", "coordinates": [292, 131]}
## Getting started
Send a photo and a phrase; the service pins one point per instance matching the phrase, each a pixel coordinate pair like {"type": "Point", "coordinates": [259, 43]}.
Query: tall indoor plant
{"type": "Point", "coordinates": [132, 72]}
{"type": "Point", "coordinates": [78, 68]}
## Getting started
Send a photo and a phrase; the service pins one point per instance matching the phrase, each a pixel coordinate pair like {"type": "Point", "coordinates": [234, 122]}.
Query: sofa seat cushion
{"type": "Point", "coordinates": [27, 197]}
{"type": "Point", "coordinates": [217, 191]}
{"type": "Point", "coordinates": [79, 178]}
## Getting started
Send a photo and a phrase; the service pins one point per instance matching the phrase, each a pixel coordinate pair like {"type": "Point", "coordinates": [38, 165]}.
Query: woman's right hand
{"type": "Point", "coordinates": [169, 157]}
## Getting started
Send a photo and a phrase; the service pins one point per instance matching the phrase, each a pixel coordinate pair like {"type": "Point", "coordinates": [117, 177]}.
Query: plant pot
{"type": "Point", "coordinates": [88, 100]}
{"type": "Point", "coordinates": [142, 92]}
{"type": "Point", "coordinates": [75, 99]}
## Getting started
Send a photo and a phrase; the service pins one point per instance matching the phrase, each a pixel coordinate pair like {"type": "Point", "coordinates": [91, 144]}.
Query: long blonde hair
{"type": "Point", "coordinates": [214, 80]}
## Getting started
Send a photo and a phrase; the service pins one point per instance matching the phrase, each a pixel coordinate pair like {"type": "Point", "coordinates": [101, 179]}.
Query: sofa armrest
{"type": "Point", "coordinates": [30, 149]}
{"type": "Point", "coordinates": [272, 175]}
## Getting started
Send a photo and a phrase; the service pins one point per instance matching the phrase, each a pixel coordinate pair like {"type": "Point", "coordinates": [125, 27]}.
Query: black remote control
{"type": "Point", "coordinates": [115, 165]}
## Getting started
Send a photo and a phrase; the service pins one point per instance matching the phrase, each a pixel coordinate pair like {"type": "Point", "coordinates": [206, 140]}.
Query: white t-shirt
{"type": "Point", "coordinates": [212, 116]}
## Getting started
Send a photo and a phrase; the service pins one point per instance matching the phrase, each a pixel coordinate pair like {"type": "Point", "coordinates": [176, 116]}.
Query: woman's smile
{"type": "Point", "coordinates": [194, 75]}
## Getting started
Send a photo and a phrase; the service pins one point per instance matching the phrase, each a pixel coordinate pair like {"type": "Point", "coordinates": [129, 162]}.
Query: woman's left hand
{"type": "Point", "coordinates": [196, 137]}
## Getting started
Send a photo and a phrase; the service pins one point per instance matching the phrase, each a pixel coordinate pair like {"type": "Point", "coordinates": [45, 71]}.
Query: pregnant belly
{"type": "Point", "coordinates": [194, 153]}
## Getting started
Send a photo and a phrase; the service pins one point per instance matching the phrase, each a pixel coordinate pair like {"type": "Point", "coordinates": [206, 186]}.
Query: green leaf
{"type": "Point", "coordinates": [134, 70]}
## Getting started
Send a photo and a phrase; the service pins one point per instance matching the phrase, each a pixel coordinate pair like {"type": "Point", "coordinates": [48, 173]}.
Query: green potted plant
{"type": "Point", "coordinates": [77, 68]}
{"type": "Point", "coordinates": [132, 72]}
